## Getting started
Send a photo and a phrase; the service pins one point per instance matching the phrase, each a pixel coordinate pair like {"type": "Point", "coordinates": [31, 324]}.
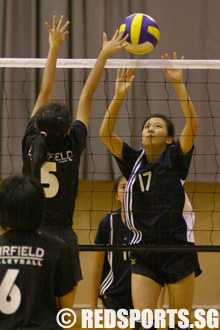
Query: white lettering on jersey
{"type": "Point", "coordinates": [22, 255]}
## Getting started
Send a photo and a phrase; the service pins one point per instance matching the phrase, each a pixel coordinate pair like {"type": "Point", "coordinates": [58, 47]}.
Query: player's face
{"type": "Point", "coordinates": [154, 134]}
{"type": "Point", "coordinates": [120, 190]}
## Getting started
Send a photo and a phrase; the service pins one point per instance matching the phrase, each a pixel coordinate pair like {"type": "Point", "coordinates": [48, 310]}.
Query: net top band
{"type": "Point", "coordinates": [114, 63]}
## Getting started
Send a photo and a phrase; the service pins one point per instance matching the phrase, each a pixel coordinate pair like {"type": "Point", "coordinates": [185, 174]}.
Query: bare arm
{"type": "Point", "coordinates": [96, 277]}
{"type": "Point", "coordinates": [67, 301]}
{"type": "Point", "coordinates": [56, 38]}
{"type": "Point", "coordinates": [190, 129]}
{"type": "Point", "coordinates": [123, 84]}
{"type": "Point", "coordinates": [108, 48]}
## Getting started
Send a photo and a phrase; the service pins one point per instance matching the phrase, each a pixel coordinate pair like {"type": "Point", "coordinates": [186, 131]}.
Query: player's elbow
{"type": "Point", "coordinates": [104, 134]}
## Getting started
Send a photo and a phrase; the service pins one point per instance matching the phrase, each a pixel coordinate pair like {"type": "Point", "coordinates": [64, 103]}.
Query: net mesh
{"type": "Point", "coordinates": [20, 80]}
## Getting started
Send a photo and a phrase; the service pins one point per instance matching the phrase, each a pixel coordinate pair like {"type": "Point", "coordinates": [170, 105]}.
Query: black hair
{"type": "Point", "coordinates": [169, 124]}
{"type": "Point", "coordinates": [22, 203]}
{"type": "Point", "coordinates": [53, 120]}
{"type": "Point", "coordinates": [116, 183]}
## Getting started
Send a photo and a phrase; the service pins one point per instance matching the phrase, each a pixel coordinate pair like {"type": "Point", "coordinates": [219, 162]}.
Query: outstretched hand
{"type": "Point", "coordinates": [57, 34]}
{"type": "Point", "coordinates": [124, 81]}
{"type": "Point", "coordinates": [115, 44]}
{"type": "Point", "coordinates": [174, 75]}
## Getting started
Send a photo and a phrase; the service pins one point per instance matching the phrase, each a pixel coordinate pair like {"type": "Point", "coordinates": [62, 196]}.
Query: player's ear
{"type": "Point", "coordinates": [116, 197]}
{"type": "Point", "coordinates": [169, 140]}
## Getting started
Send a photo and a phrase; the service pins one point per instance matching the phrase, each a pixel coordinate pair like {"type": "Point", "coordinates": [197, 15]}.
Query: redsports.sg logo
{"type": "Point", "coordinates": [109, 319]}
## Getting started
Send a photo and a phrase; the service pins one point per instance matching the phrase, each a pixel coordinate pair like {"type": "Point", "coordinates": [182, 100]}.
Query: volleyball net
{"type": "Point", "coordinates": [151, 93]}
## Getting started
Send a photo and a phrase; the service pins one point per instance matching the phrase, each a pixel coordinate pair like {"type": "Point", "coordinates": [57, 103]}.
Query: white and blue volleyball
{"type": "Point", "coordinates": [143, 31]}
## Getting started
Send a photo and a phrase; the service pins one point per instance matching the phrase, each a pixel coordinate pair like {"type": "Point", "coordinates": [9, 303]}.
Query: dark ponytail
{"type": "Point", "coordinates": [52, 123]}
{"type": "Point", "coordinates": [38, 155]}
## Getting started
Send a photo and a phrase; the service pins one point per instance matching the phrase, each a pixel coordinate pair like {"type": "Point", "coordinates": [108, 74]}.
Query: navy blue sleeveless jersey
{"type": "Point", "coordinates": [34, 270]}
{"type": "Point", "coordinates": [156, 206]}
{"type": "Point", "coordinates": [116, 275]}
{"type": "Point", "coordinates": [59, 174]}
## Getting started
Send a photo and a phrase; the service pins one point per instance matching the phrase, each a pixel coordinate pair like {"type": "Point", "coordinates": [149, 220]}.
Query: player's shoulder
{"type": "Point", "coordinates": [50, 240]}
{"type": "Point", "coordinates": [78, 125]}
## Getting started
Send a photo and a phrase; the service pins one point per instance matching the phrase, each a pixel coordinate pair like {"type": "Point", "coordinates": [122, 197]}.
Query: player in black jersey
{"type": "Point", "coordinates": [111, 278]}
{"type": "Point", "coordinates": [35, 270]}
{"type": "Point", "coordinates": [154, 199]}
{"type": "Point", "coordinates": [52, 147]}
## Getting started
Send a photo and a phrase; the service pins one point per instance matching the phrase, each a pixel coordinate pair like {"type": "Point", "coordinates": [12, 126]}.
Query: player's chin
{"type": "Point", "coordinates": [147, 141]}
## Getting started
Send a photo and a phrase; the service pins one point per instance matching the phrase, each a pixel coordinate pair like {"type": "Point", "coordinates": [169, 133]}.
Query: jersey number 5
{"type": "Point", "coordinates": [9, 293]}
{"type": "Point", "coordinates": [49, 180]}
{"type": "Point", "coordinates": [148, 174]}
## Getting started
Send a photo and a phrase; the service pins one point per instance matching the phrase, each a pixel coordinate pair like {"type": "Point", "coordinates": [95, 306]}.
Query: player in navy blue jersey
{"type": "Point", "coordinates": [35, 270]}
{"type": "Point", "coordinates": [154, 199]}
{"type": "Point", "coordinates": [111, 278]}
{"type": "Point", "coordinates": [52, 147]}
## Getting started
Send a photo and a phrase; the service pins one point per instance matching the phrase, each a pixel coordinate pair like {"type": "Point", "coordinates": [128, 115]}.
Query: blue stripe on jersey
{"type": "Point", "coordinates": [128, 199]}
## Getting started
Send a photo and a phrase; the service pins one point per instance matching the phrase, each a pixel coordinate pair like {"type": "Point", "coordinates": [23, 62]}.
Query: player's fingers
{"type": "Point", "coordinates": [123, 73]}
{"type": "Point", "coordinates": [125, 38]}
{"type": "Point", "coordinates": [65, 26]}
{"type": "Point", "coordinates": [48, 26]}
{"type": "Point", "coordinates": [54, 22]}
{"type": "Point", "coordinates": [132, 71]}
{"type": "Point", "coordinates": [115, 35]}
{"type": "Point", "coordinates": [104, 37]}
{"type": "Point", "coordinates": [118, 74]}
{"type": "Point", "coordinates": [65, 34]}
{"type": "Point", "coordinates": [132, 78]}
{"type": "Point", "coordinates": [129, 72]}
{"type": "Point", "coordinates": [60, 22]}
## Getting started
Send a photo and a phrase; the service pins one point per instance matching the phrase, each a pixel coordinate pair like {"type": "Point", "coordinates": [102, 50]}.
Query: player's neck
{"type": "Point", "coordinates": [153, 154]}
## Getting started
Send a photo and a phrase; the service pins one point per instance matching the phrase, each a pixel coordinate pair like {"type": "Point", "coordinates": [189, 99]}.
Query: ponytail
{"type": "Point", "coordinates": [38, 155]}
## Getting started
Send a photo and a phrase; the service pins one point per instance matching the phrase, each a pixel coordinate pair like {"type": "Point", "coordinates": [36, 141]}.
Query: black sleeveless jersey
{"type": "Point", "coordinates": [157, 209]}
{"type": "Point", "coordinates": [34, 269]}
{"type": "Point", "coordinates": [116, 275]}
{"type": "Point", "coordinates": [59, 174]}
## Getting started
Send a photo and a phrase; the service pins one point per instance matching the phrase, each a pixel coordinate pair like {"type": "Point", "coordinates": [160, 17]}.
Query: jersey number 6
{"type": "Point", "coordinates": [9, 293]}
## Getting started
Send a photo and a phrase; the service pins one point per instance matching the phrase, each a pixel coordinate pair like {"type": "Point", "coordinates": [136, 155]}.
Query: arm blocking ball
{"type": "Point", "coordinates": [143, 32]}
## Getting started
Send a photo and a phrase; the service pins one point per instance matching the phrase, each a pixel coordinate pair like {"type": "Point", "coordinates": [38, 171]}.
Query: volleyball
{"type": "Point", "coordinates": [143, 31]}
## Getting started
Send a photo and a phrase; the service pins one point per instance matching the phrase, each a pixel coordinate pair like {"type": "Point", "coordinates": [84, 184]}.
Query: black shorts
{"type": "Point", "coordinates": [117, 301]}
{"type": "Point", "coordinates": [67, 234]}
{"type": "Point", "coordinates": [166, 267]}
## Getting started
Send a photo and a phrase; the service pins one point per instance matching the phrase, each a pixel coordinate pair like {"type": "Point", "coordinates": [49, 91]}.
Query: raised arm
{"type": "Point", "coordinates": [190, 129]}
{"type": "Point", "coordinates": [108, 48]}
{"type": "Point", "coordinates": [56, 37]}
{"type": "Point", "coordinates": [123, 84]}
